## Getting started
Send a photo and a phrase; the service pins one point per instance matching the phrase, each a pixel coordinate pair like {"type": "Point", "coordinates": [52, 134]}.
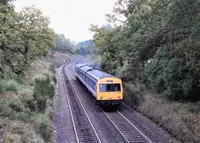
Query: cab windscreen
{"type": "Point", "coordinates": [109, 88]}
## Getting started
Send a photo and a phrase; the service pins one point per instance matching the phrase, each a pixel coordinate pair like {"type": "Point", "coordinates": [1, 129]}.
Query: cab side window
{"type": "Point", "coordinates": [102, 87]}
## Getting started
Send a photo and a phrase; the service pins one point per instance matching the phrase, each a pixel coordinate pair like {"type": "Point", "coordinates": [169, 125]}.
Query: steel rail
{"type": "Point", "coordinates": [145, 137]}
{"type": "Point", "coordinates": [67, 97]}
{"type": "Point", "coordinates": [83, 107]}
{"type": "Point", "coordinates": [119, 131]}
{"type": "Point", "coordinates": [122, 135]}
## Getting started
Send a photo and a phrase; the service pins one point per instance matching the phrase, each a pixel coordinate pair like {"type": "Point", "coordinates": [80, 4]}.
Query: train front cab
{"type": "Point", "coordinates": [109, 89]}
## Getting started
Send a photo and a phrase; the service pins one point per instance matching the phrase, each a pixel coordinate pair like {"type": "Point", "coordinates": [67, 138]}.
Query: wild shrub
{"type": "Point", "coordinates": [133, 94]}
{"type": "Point", "coordinates": [30, 104]}
{"type": "Point", "coordinates": [45, 127]}
{"type": "Point", "coordinates": [23, 116]}
{"type": "Point", "coordinates": [51, 91]}
{"type": "Point", "coordinates": [45, 131]}
{"type": "Point", "coordinates": [18, 79]}
{"type": "Point", "coordinates": [173, 76]}
{"type": "Point", "coordinates": [54, 79]}
{"type": "Point", "coordinates": [15, 107]}
{"type": "Point", "coordinates": [2, 88]}
{"type": "Point", "coordinates": [43, 90]}
{"type": "Point", "coordinates": [41, 103]}
{"type": "Point", "coordinates": [52, 68]}
{"type": "Point", "coordinates": [194, 108]}
{"type": "Point", "coordinates": [4, 109]}
{"type": "Point", "coordinates": [11, 85]}
{"type": "Point", "coordinates": [8, 75]}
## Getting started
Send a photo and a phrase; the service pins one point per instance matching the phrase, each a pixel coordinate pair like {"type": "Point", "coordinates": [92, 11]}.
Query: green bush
{"type": "Point", "coordinates": [2, 88]}
{"type": "Point", "coordinates": [9, 75]}
{"type": "Point", "coordinates": [54, 79]}
{"type": "Point", "coordinates": [173, 76]}
{"type": "Point", "coordinates": [51, 91]}
{"type": "Point", "coordinates": [133, 95]}
{"type": "Point", "coordinates": [11, 85]}
{"type": "Point", "coordinates": [194, 108]}
{"type": "Point", "coordinates": [23, 116]}
{"type": "Point", "coordinates": [52, 68]}
{"type": "Point", "coordinates": [18, 79]}
{"type": "Point", "coordinates": [45, 128]}
{"type": "Point", "coordinates": [15, 107]}
{"type": "Point", "coordinates": [45, 131]}
{"type": "Point", "coordinates": [41, 86]}
{"type": "Point", "coordinates": [4, 109]}
{"type": "Point", "coordinates": [30, 104]}
{"type": "Point", "coordinates": [43, 90]}
{"type": "Point", "coordinates": [41, 103]}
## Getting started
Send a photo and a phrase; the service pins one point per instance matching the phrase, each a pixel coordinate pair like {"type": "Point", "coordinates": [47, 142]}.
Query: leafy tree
{"type": "Point", "coordinates": [6, 2]}
{"type": "Point", "coordinates": [86, 47]}
{"type": "Point", "coordinates": [24, 37]}
{"type": "Point", "coordinates": [63, 44]}
{"type": "Point", "coordinates": [105, 44]}
{"type": "Point", "coordinates": [157, 43]}
{"type": "Point", "coordinates": [179, 74]}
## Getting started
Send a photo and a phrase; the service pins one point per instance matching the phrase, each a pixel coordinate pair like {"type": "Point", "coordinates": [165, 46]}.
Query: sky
{"type": "Point", "coordinates": [72, 17]}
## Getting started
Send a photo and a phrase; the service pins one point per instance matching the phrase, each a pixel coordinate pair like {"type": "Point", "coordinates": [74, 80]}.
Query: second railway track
{"type": "Point", "coordinates": [84, 129]}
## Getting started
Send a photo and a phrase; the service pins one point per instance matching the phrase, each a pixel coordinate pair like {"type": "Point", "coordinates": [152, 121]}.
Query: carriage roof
{"type": "Point", "coordinates": [97, 74]}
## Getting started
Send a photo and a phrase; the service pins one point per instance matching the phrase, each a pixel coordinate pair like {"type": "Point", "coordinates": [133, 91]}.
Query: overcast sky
{"type": "Point", "coordinates": [72, 17]}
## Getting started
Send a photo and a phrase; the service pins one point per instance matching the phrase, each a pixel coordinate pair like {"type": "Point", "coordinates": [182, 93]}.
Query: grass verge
{"type": "Point", "coordinates": [182, 120]}
{"type": "Point", "coordinates": [23, 117]}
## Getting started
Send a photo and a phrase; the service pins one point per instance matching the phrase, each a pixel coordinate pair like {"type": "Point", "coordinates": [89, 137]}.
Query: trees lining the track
{"type": "Point", "coordinates": [25, 36]}
{"type": "Point", "coordinates": [158, 44]}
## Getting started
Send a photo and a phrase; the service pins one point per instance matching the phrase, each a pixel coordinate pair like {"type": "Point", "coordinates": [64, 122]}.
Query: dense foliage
{"type": "Point", "coordinates": [86, 47]}
{"type": "Point", "coordinates": [6, 2]}
{"type": "Point", "coordinates": [157, 44]}
{"type": "Point", "coordinates": [63, 44]}
{"type": "Point", "coordinates": [24, 36]}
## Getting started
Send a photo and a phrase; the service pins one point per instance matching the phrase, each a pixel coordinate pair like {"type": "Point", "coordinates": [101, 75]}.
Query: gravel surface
{"type": "Point", "coordinates": [63, 124]}
{"type": "Point", "coordinates": [149, 128]}
{"type": "Point", "coordinates": [84, 129]}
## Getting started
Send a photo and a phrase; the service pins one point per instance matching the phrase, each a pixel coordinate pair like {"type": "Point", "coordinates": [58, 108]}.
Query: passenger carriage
{"type": "Point", "coordinates": [105, 87]}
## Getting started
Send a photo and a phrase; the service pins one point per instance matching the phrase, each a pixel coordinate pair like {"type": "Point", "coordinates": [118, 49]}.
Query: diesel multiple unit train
{"type": "Point", "coordinates": [107, 89]}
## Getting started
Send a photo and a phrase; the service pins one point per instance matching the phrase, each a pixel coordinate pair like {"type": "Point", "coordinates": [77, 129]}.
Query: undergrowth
{"type": "Point", "coordinates": [181, 119]}
{"type": "Point", "coordinates": [44, 89]}
{"type": "Point", "coordinates": [26, 104]}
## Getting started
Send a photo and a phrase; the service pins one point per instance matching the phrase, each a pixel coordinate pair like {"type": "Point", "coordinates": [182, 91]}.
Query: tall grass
{"type": "Point", "coordinates": [21, 97]}
{"type": "Point", "coordinates": [181, 119]}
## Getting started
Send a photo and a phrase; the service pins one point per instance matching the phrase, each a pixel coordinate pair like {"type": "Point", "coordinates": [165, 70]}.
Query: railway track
{"type": "Point", "coordinates": [126, 129]}
{"type": "Point", "coordinates": [74, 136]}
{"type": "Point", "coordinates": [83, 127]}
{"type": "Point", "coordinates": [128, 132]}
